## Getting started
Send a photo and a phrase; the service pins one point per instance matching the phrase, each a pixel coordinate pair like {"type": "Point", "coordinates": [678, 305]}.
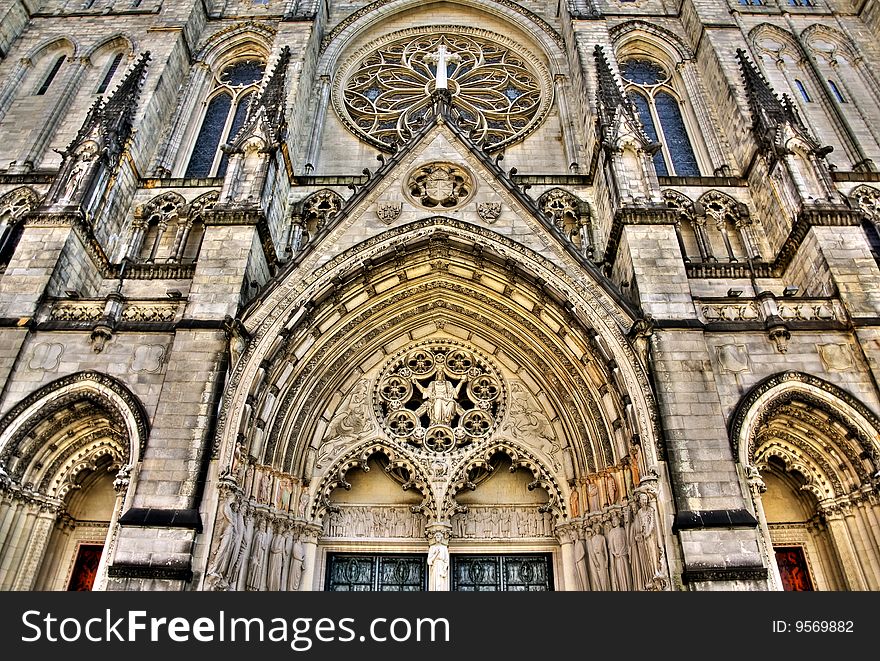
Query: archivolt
{"type": "Point", "coordinates": [813, 427]}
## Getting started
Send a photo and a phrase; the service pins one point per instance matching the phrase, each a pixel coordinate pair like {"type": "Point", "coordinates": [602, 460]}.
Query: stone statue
{"type": "Point", "coordinates": [440, 397]}
{"type": "Point", "coordinates": [256, 572]}
{"type": "Point", "coordinates": [275, 568]}
{"type": "Point", "coordinates": [438, 565]}
{"type": "Point", "coordinates": [230, 542]}
{"type": "Point", "coordinates": [297, 565]}
{"type": "Point", "coordinates": [574, 504]}
{"type": "Point", "coordinates": [645, 550]}
{"type": "Point", "coordinates": [611, 488]}
{"type": "Point", "coordinates": [618, 548]}
{"type": "Point", "coordinates": [580, 563]}
{"type": "Point", "coordinates": [598, 559]}
{"type": "Point", "coordinates": [593, 496]}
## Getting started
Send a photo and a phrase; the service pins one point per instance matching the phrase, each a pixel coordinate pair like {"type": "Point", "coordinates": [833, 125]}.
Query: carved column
{"type": "Point", "coordinates": [566, 534]}
{"type": "Point", "coordinates": [310, 536]}
{"type": "Point", "coordinates": [756, 488]}
{"type": "Point", "coordinates": [852, 571]}
{"type": "Point", "coordinates": [120, 485]}
{"type": "Point", "coordinates": [35, 551]}
{"type": "Point", "coordinates": [14, 551]}
{"type": "Point", "coordinates": [865, 553]}
{"type": "Point", "coordinates": [138, 230]}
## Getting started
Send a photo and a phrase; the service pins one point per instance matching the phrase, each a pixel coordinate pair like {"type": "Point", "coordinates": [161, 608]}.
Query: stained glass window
{"type": "Point", "coordinates": [209, 136]}
{"type": "Point", "coordinates": [834, 90]}
{"type": "Point", "coordinates": [496, 94]}
{"type": "Point", "coordinates": [224, 117]}
{"type": "Point", "coordinates": [650, 88]}
{"type": "Point", "coordinates": [803, 90]}
{"type": "Point", "coordinates": [677, 141]}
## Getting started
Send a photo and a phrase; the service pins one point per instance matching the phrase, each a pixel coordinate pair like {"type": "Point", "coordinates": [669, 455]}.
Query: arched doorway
{"type": "Point", "coordinates": [810, 456]}
{"type": "Point", "coordinates": [456, 385]}
{"type": "Point", "coordinates": [66, 452]}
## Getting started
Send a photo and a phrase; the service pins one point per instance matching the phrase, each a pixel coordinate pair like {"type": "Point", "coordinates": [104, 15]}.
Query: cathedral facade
{"type": "Point", "coordinates": [459, 295]}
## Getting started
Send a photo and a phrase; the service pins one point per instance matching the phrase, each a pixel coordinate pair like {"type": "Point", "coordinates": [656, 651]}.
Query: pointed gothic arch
{"type": "Point", "coordinates": [67, 453]}
{"type": "Point", "coordinates": [810, 454]}
{"type": "Point", "coordinates": [316, 376]}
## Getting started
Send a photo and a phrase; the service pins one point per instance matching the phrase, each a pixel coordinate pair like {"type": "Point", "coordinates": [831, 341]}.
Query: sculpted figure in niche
{"type": "Point", "coordinates": [275, 568]}
{"type": "Point", "coordinates": [256, 569]}
{"type": "Point", "coordinates": [297, 565]}
{"type": "Point", "coordinates": [618, 548]}
{"type": "Point", "coordinates": [440, 397]}
{"type": "Point", "coordinates": [598, 559]}
{"type": "Point", "coordinates": [580, 563]}
{"type": "Point", "coordinates": [611, 488]}
{"type": "Point", "coordinates": [438, 565]}
{"type": "Point", "coordinates": [645, 546]}
{"type": "Point", "coordinates": [230, 542]}
{"type": "Point", "coordinates": [574, 504]}
{"type": "Point", "coordinates": [593, 496]}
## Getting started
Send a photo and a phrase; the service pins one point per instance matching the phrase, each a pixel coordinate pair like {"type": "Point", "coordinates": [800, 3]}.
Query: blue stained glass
{"type": "Point", "coordinates": [802, 90]}
{"type": "Point", "coordinates": [237, 123]}
{"type": "Point", "coordinates": [242, 73]}
{"type": "Point", "coordinates": [209, 137]}
{"type": "Point", "coordinates": [836, 91]}
{"type": "Point", "coordinates": [677, 142]}
{"type": "Point", "coordinates": [512, 93]}
{"type": "Point", "coordinates": [643, 72]}
{"type": "Point", "coordinates": [641, 104]}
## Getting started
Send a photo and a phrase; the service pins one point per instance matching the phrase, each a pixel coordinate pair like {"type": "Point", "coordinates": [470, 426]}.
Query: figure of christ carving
{"type": "Point", "coordinates": [439, 399]}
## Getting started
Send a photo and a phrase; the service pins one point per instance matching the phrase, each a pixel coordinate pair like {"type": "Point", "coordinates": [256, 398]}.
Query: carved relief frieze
{"type": "Point", "coordinates": [379, 521]}
{"type": "Point", "coordinates": [151, 313]}
{"type": "Point", "coordinates": [86, 311]}
{"type": "Point", "coordinates": [503, 522]}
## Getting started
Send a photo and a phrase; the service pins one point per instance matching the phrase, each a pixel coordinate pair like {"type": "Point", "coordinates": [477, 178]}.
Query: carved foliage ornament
{"type": "Point", "coordinates": [439, 396]}
{"type": "Point", "coordinates": [497, 93]}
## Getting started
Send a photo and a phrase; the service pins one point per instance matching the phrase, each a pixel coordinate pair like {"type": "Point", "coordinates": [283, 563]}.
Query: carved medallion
{"type": "Point", "coordinates": [439, 395]}
{"type": "Point", "coordinates": [440, 186]}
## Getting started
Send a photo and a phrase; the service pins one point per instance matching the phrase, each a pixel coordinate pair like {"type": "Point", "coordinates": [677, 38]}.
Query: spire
{"type": "Point", "coordinates": [769, 112]}
{"type": "Point", "coordinates": [612, 102]}
{"type": "Point", "coordinates": [111, 118]}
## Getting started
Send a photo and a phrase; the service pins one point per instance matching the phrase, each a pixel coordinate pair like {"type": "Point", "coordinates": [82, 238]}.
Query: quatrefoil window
{"type": "Point", "coordinates": [498, 92]}
{"type": "Point", "coordinates": [439, 395]}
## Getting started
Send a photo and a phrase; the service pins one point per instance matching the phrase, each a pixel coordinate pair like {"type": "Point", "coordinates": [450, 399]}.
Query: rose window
{"type": "Point", "coordinates": [498, 93]}
{"type": "Point", "coordinates": [439, 396]}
